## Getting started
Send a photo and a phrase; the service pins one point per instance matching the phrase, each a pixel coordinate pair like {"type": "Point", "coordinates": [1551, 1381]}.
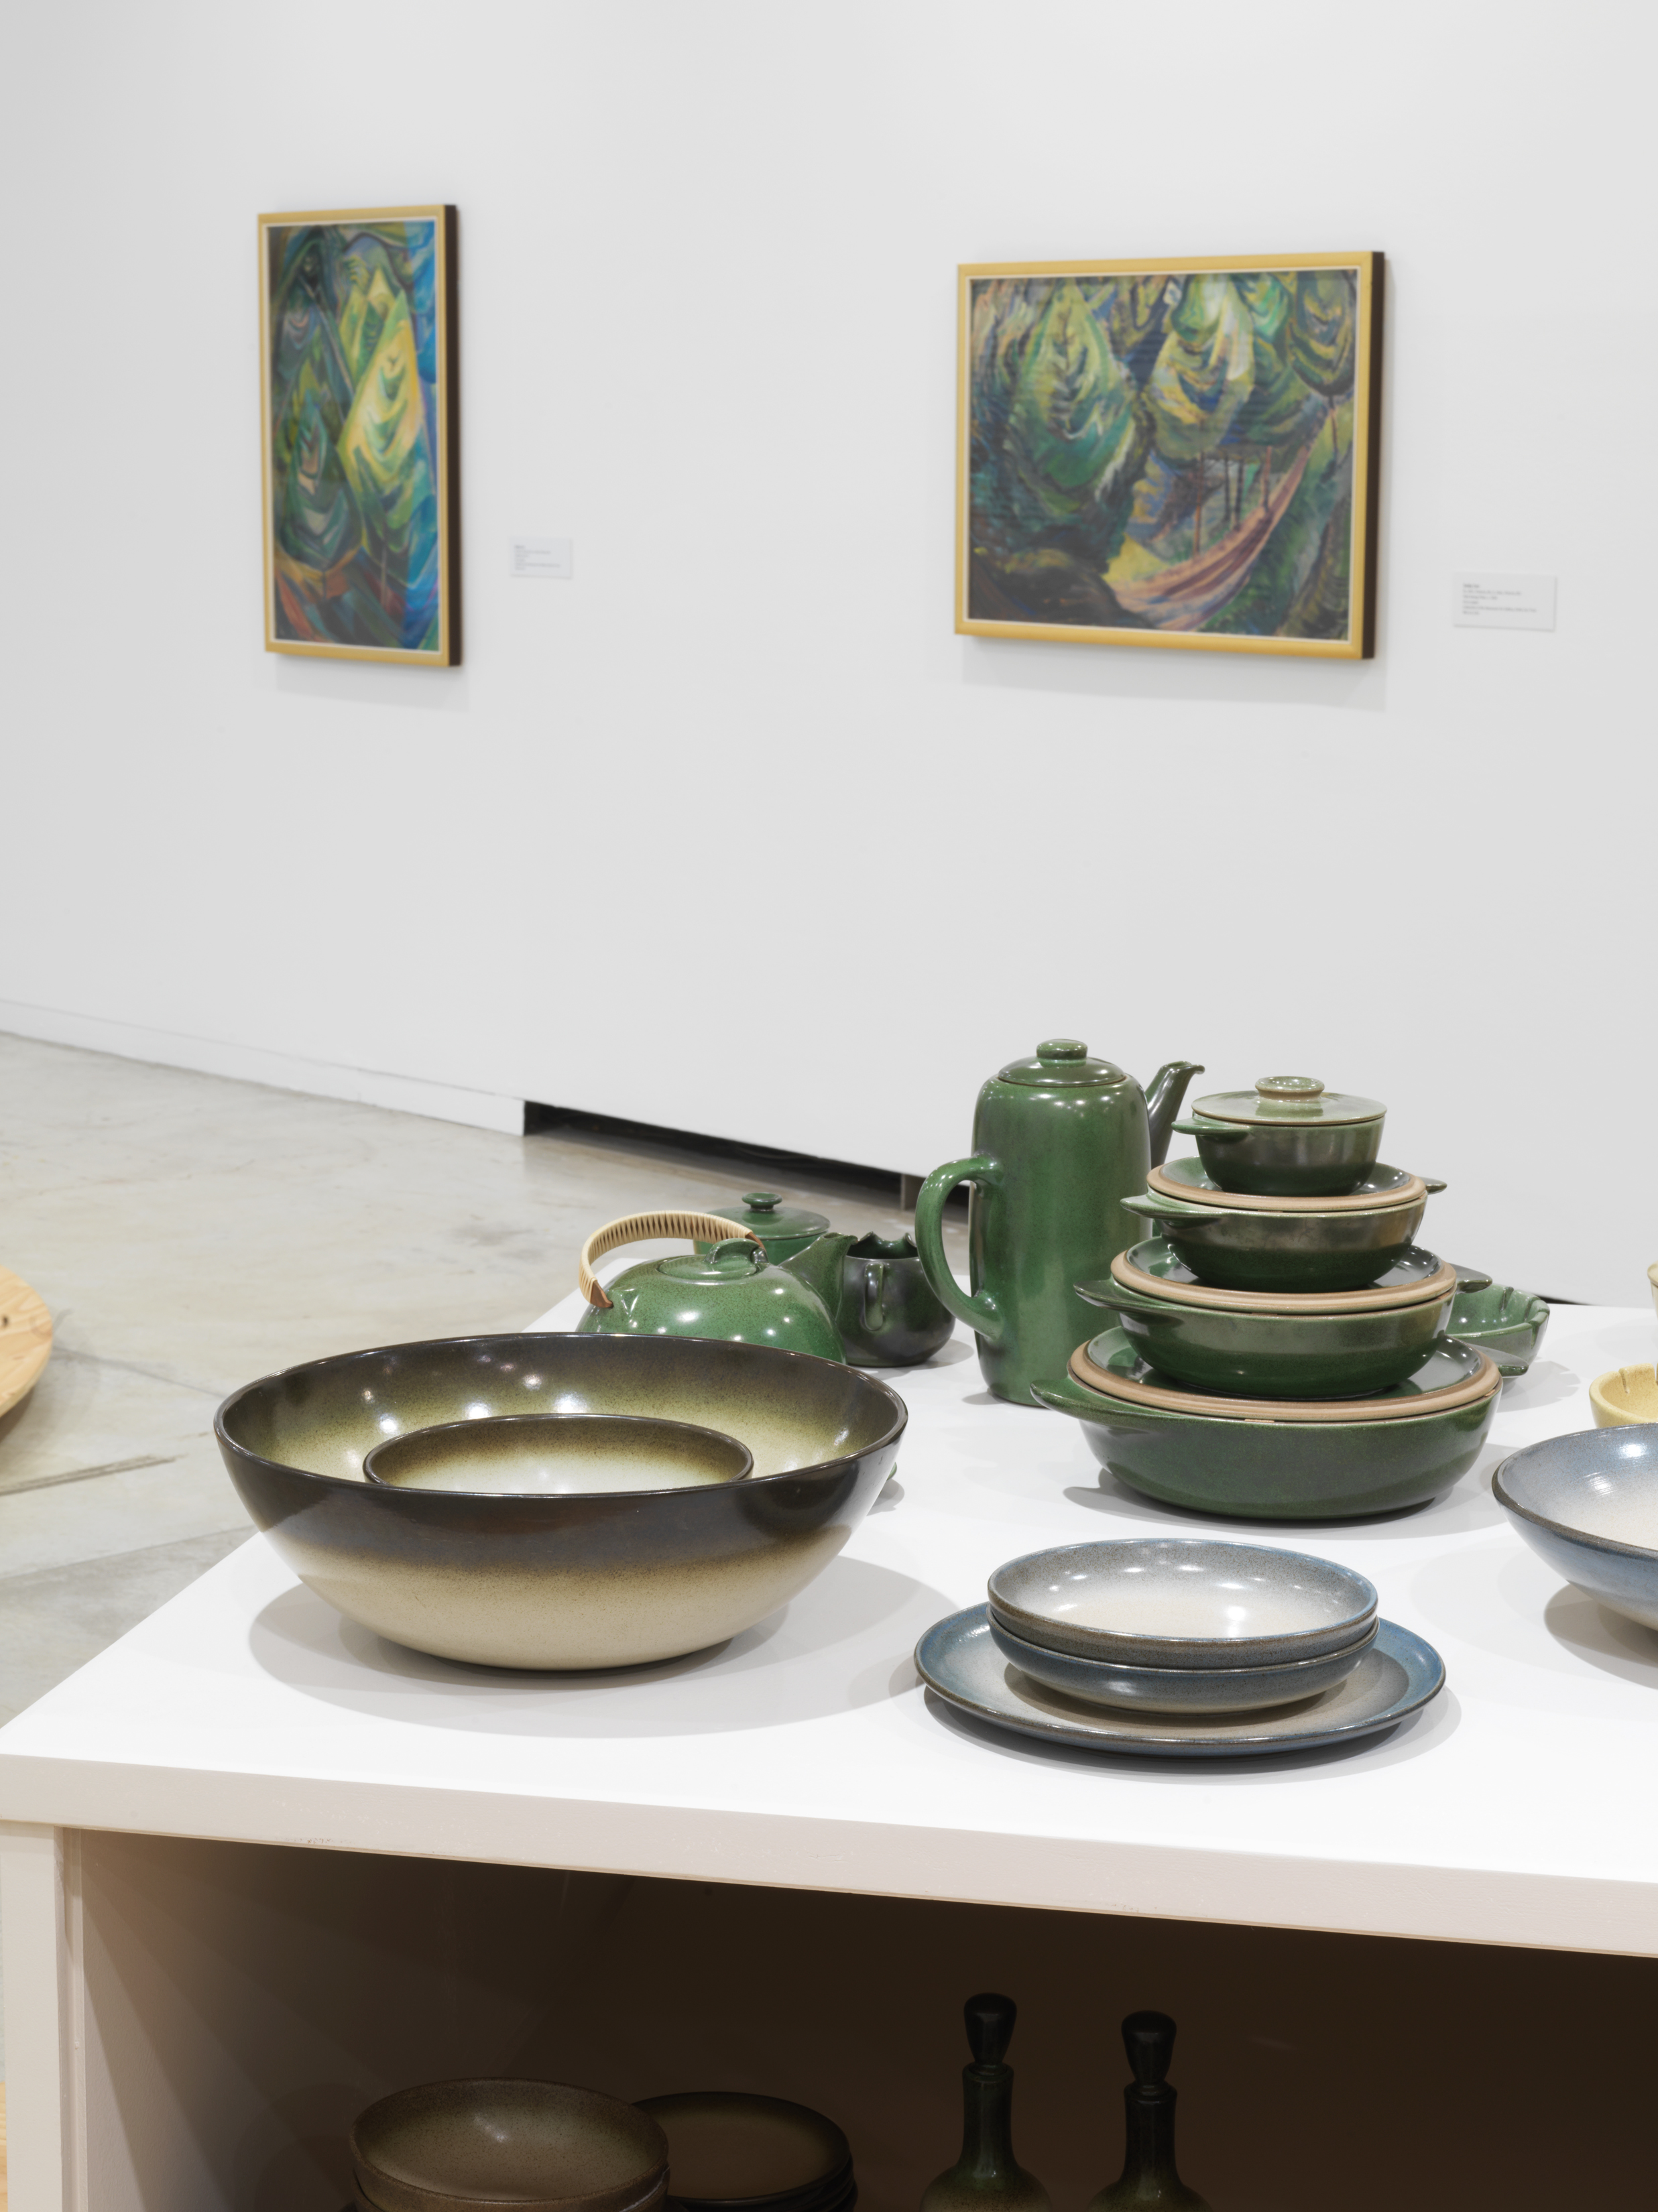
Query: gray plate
{"type": "Point", "coordinates": [1396, 1677]}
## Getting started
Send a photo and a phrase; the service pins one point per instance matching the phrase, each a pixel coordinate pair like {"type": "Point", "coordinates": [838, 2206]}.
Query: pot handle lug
{"type": "Point", "coordinates": [642, 1228]}
{"type": "Point", "coordinates": [1218, 1132]}
{"type": "Point", "coordinates": [980, 1310]}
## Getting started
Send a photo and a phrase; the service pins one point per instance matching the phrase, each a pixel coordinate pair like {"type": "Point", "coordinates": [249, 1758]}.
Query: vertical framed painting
{"type": "Point", "coordinates": [1177, 452]}
{"type": "Point", "coordinates": [359, 424]}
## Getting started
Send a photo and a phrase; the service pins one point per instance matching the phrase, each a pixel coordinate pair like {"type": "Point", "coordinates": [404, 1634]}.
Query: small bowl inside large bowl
{"type": "Point", "coordinates": [1189, 1602]}
{"type": "Point", "coordinates": [1588, 1504]}
{"type": "Point", "coordinates": [531, 2145]}
{"type": "Point", "coordinates": [1254, 1354]}
{"type": "Point", "coordinates": [558, 1456]}
{"type": "Point", "coordinates": [1181, 1689]}
{"type": "Point", "coordinates": [561, 1581]}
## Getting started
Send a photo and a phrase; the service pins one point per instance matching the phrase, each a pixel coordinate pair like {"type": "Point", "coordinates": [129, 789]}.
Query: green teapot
{"type": "Point", "coordinates": [1059, 1141]}
{"type": "Point", "coordinates": [730, 1290]}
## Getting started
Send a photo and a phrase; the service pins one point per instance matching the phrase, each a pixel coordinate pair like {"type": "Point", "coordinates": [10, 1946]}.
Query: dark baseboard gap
{"type": "Point", "coordinates": [896, 1189]}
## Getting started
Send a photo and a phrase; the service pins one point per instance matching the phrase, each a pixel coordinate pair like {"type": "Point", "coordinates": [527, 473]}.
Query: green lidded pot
{"type": "Point", "coordinates": [784, 1230]}
{"type": "Point", "coordinates": [729, 1289]}
{"type": "Point", "coordinates": [1288, 1138]}
{"type": "Point", "coordinates": [1059, 1141]}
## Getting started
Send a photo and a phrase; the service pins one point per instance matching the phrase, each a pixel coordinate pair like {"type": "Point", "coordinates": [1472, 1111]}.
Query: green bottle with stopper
{"type": "Point", "coordinates": [1150, 2177]}
{"type": "Point", "coordinates": [987, 2175]}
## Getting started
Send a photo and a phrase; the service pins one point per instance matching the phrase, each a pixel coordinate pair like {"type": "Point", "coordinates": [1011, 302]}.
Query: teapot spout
{"type": "Point", "coordinates": [1164, 1094]}
{"type": "Point", "coordinates": [818, 1266]}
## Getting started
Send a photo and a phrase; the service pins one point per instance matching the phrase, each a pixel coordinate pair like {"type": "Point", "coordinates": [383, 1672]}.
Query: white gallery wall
{"type": "Point", "coordinates": [731, 832]}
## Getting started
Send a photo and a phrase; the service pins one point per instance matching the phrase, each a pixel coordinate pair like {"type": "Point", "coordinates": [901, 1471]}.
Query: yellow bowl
{"type": "Point", "coordinates": [1625, 1396]}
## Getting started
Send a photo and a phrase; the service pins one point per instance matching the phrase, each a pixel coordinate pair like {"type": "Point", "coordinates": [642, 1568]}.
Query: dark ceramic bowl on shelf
{"type": "Point", "coordinates": [1289, 1137]}
{"type": "Point", "coordinates": [1587, 1505]}
{"type": "Point", "coordinates": [559, 1455]}
{"type": "Point", "coordinates": [473, 2146]}
{"type": "Point", "coordinates": [1241, 1249]}
{"type": "Point", "coordinates": [731, 2150]}
{"type": "Point", "coordinates": [1182, 1601]}
{"type": "Point", "coordinates": [561, 1582]}
{"type": "Point", "coordinates": [1263, 1469]}
{"type": "Point", "coordinates": [1351, 1354]}
{"type": "Point", "coordinates": [1181, 1689]}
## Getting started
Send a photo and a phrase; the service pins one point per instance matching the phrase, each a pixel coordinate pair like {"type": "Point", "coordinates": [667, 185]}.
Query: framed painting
{"type": "Point", "coordinates": [359, 424]}
{"type": "Point", "coordinates": [1171, 453]}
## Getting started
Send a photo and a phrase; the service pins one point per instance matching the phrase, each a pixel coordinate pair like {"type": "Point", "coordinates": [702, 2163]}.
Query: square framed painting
{"type": "Point", "coordinates": [1171, 453]}
{"type": "Point", "coordinates": [359, 424]}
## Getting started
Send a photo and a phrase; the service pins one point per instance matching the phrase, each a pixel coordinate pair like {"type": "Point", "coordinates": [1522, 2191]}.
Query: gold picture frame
{"type": "Point", "coordinates": [1181, 453]}
{"type": "Point", "coordinates": [359, 434]}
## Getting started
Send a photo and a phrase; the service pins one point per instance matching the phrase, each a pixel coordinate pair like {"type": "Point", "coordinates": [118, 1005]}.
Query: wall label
{"type": "Point", "coordinates": [543, 556]}
{"type": "Point", "coordinates": [1487, 602]}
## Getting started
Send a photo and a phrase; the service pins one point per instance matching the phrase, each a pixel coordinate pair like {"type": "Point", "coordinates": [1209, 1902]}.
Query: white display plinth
{"type": "Point", "coordinates": [1518, 1809]}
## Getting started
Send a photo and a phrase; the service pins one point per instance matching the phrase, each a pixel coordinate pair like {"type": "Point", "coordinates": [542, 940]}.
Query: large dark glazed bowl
{"type": "Point", "coordinates": [1273, 1470]}
{"type": "Point", "coordinates": [571, 1581]}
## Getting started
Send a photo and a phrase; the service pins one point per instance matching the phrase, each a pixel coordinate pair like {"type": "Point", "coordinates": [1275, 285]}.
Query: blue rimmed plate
{"type": "Point", "coordinates": [1397, 1677]}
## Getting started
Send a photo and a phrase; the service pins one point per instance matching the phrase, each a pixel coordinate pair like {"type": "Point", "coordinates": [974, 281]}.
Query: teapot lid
{"type": "Point", "coordinates": [732, 1260]}
{"type": "Point", "coordinates": [1062, 1063]}
{"type": "Point", "coordinates": [1296, 1101]}
{"type": "Point", "coordinates": [763, 1214]}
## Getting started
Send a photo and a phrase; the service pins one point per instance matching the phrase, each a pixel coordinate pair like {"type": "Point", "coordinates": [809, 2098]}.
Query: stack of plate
{"type": "Point", "coordinates": [477, 2145]}
{"type": "Point", "coordinates": [1183, 1644]}
{"type": "Point", "coordinates": [731, 2151]}
{"type": "Point", "coordinates": [1285, 1292]}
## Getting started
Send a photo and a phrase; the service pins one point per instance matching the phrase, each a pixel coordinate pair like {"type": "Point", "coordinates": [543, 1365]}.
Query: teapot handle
{"type": "Point", "coordinates": [980, 1311]}
{"type": "Point", "coordinates": [639, 1229]}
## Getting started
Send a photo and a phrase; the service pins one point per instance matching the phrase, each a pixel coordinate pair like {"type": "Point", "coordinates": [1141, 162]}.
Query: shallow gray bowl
{"type": "Point", "coordinates": [1181, 1689]}
{"type": "Point", "coordinates": [559, 1455]}
{"type": "Point", "coordinates": [1182, 1601]}
{"type": "Point", "coordinates": [1588, 1504]}
{"type": "Point", "coordinates": [561, 1582]}
{"type": "Point", "coordinates": [531, 2145]}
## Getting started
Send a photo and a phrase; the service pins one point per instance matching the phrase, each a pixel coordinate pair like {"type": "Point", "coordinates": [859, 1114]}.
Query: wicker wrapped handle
{"type": "Point", "coordinates": [639, 1229]}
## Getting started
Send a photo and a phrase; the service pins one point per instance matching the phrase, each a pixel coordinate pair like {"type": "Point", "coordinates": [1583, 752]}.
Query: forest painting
{"type": "Point", "coordinates": [1172, 453]}
{"type": "Point", "coordinates": [359, 441]}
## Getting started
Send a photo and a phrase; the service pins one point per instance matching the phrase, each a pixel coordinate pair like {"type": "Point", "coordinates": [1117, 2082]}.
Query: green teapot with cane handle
{"type": "Point", "coordinates": [1059, 1141]}
{"type": "Point", "coordinates": [729, 1290]}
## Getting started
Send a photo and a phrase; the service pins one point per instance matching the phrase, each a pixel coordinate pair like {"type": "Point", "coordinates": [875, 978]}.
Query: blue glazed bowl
{"type": "Point", "coordinates": [1588, 1504]}
{"type": "Point", "coordinates": [1182, 1689]}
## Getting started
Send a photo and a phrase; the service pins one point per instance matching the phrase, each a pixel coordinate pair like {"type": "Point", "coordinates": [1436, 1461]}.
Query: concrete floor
{"type": "Point", "coordinates": [188, 1233]}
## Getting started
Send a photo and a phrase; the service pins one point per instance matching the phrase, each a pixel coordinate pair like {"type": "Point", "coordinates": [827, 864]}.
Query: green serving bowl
{"type": "Point", "coordinates": [1237, 1249]}
{"type": "Point", "coordinates": [1269, 1355]}
{"type": "Point", "coordinates": [1274, 1470]}
{"type": "Point", "coordinates": [1508, 1323]}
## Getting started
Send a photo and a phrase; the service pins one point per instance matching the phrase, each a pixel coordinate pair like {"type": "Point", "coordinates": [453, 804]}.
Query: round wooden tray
{"type": "Point", "coordinates": [1145, 1285]}
{"type": "Point", "coordinates": [1358, 1201]}
{"type": "Point", "coordinates": [1099, 1380]}
{"type": "Point", "coordinates": [25, 1338]}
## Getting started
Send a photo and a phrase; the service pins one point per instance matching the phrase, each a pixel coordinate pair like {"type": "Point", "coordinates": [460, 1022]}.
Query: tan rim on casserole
{"type": "Point", "coordinates": [1358, 1201]}
{"type": "Point", "coordinates": [1481, 1384]}
{"type": "Point", "coordinates": [1440, 1285]}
